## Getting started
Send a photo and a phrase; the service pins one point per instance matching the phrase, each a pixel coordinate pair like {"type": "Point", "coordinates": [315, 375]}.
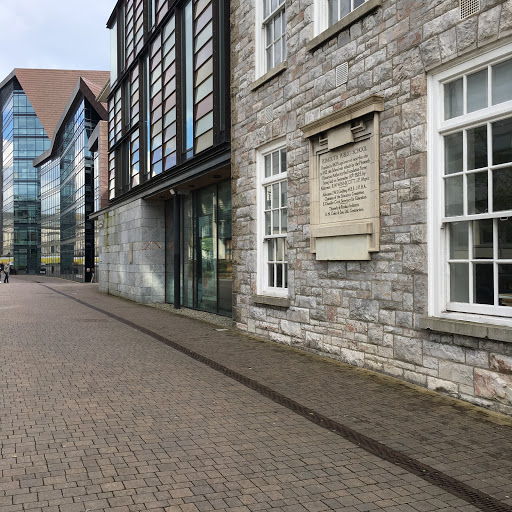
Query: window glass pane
{"type": "Point", "coordinates": [270, 61]}
{"type": "Point", "coordinates": [275, 222]}
{"type": "Point", "coordinates": [345, 8]}
{"type": "Point", "coordinates": [280, 251]}
{"type": "Point", "coordinates": [267, 166]}
{"type": "Point", "coordinates": [453, 196]}
{"type": "Point", "coordinates": [271, 275]}
{"type": "Point", "coordinates": [268, 198]}
{"type": "Point", "coordinates": [284, 188]}
{"type": "Point", "coordinates": [458, 240]}
{"type": "Point", "coordinates": [501, 82]}
{"type": "Point", "coordinates": [267, 224]}
{"type": "Point", "coordinates": [283, 160]}
{"type": "Point", "coordinates": [333, 11]}
{"type": "Point", "coordinates": [502, 141]}
{"type": "Point", "coordinates": [453, 153]}
{"type": "Point", "coordinates": [277, 52]}
{"type": "Point", "coordinates": [505, 238]}
{"type": "Point", "coordinates": [270, 245]}
{"type": "Point", "coordinates": [477, 147]}
{"type": "Point", "coordinates": [275, 163]}
{"type": "Point", "coordinates": [459, 282]}
{"type": "Point", "coordinates": [279, 276]}
{"type": "Point", "coordinates": [189, 78]}
{"type": "Point", "coordinates": [284, 221]}
{"type": "Point", "coordinates": [477, 193]}
{"type": "Point", "coordinates": [482, 239]}
{"type": "Point", "coordinates": [277, 27]}
{"type": "Point", "coordinates": [483, 283]}
{"type": "Point", "coordinates": [275, 195]}
{"type": "Point", "coordinates": [477, 90]}
{"type": "Point", "coordinates": [453, 99]}
{"type": "Point", "coordinates": [502, 189]}
{"type": "Point", "coordinates": [505, 285]}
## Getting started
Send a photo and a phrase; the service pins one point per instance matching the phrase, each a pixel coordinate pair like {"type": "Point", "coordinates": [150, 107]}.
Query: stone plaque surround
{"type": "Point", "coordinates": [344, 182]}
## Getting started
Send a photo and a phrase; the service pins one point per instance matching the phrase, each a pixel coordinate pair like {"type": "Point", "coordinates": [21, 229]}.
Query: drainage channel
{"type": "Point", "coordinates": [449, 484]}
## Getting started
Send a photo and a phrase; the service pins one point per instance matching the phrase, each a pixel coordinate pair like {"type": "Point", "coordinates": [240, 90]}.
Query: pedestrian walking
{"type": "Point", "coordinates": [1, 270]}
{"type": "Point", "coordinates": [6, 273]}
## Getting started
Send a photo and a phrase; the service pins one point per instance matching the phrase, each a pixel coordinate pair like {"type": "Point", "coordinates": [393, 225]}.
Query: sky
{"type": "Point", "coordinates": [54, 34]}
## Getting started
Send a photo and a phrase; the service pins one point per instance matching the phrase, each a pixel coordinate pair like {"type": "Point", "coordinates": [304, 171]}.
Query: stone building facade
{"type": "Point", "coordinates": [414, 283]}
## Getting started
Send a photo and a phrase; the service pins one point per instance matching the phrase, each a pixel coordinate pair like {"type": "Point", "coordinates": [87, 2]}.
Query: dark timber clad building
{"type": "Point", "coordinates": [166, 233]}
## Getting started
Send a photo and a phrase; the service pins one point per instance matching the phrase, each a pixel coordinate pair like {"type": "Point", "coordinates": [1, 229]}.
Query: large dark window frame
{"type": "Point", "coordinates": [221, 98]}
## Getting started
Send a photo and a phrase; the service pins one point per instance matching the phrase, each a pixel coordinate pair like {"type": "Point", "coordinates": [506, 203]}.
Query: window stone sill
{"type": "Point", "coordinates": [342, 24]}
{"type": "Point", "coordinates": [269, 75]}
{"type": "Point", "coordinates": [281, 302]}
{"type": "Point", "coordinates": [463, 328]}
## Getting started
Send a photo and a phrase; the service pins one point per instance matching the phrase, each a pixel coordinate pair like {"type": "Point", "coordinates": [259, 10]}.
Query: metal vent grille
{"type": "Point", "coordinates": [269, 114]}
{"type": "Point", "coordinates": [341, 74]}
{"type": "Point", "coordinates": [468, 8]}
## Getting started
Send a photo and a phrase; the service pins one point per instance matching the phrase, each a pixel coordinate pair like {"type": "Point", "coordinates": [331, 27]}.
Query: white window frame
{"type": "Point", "coordinates": [260, 33]}
{"type": "Point", "coordinates": [438, 248]}
{"type": "Point", "coordinates": [262, 252]}
{"type": "Point", "coordinates": [321, 15]}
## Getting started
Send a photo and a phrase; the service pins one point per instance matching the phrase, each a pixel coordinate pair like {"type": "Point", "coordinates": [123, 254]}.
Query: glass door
{"type": "Point", "coordinates": [207, 249]}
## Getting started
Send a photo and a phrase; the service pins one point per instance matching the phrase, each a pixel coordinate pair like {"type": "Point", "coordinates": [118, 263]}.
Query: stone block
{"type": "Point", "coordinates": [501, 363]}
{"type": "Point", "coordinates": [365, 310]}
{"type": "Point", "coordinates": [352, 357]}
{"type": "Point", "coordinates": [445, 352]}
{"type": "Point", "coordinates": [442, 386]}
{"type": "Point", "coordinates": [456, 372]}
{"type": "Point", "coordinates": [493, 385]}
{"type": "Point", "coordinates": [409, 350]}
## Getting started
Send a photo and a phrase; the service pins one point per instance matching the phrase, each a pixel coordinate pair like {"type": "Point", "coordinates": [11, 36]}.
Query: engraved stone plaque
{"type": "Point", "coordinates": [346, 183]}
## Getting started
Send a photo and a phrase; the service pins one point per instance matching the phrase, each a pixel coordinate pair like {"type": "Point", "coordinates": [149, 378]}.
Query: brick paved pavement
{"type": "Point", "coordinates": [96, 415]}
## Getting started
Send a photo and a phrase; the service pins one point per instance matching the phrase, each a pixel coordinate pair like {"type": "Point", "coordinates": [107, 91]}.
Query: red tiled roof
{"type": "Point", "coordinates": [48, 90]}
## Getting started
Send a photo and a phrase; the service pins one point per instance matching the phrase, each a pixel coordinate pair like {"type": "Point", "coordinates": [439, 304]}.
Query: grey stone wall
{"type": "Point", "coordinates": [364, 313]}
{"type": "Point", "coordinates": [132, 251]}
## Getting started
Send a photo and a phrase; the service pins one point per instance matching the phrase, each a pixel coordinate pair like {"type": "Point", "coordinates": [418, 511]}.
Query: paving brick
{"type": "Point", "coordinates": [172, 434]}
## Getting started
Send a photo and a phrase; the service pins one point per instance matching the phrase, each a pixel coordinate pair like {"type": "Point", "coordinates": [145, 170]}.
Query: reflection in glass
{"type": "Point", "coordinates": [482, 239]}
{"type": "Point", "coordinates": [502, 189]}
{"type": "Point", "coordinates": [207, 250]}
{"type": "Point", "coordinates": [477, 192]}
{"type": "Point", "coordinates": [505, 285]}
{"type": "Point", "coordinates": [502, 141]}
{"type": "Point", "coordinates": [458, 240]}
{"type": "Point", "coordinates": [483, 283]}
{"type": "Point", "coordinates": [477, 90]}
{"type": "Point", "coordinates": [501, 82]}
{"type": "Point", "coordinates": [477, 147]}
{"type": "Point", "coordinates": [505, 238]}
{"type": "Point", "coordinates": [459, 282]}
{"type": "Point", "coordinates": [453, 99]}
{"type": "Point", "coordinates": [224, 256]}
{"type": "Point", "coordinates": [189, 79]}
{"type": "Point", "coordinates": [453, 196]}
{"type": "Point", "coordinates": [453, 153]}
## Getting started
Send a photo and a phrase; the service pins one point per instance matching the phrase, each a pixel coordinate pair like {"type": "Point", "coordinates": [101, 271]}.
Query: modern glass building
{"type": "Point", "coordinates": [67, 190]}
{"type": "Point", "coordinates": [31, 104]}
{"type": "Point", "coordinates": [169, 155]}
{"type": "Point", "coordinates": [23, 139]}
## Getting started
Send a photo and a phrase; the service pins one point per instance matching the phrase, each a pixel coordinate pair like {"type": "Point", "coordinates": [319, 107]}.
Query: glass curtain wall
{"type": "Point", "coordinates": [206, 258]}
{"type": "Point", "coordinates": [24, 139]}
{"type": "Point", "coordinates": [67, 200]}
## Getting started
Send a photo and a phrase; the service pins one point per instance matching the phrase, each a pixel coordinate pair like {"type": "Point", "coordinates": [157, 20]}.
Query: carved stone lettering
{"type": "Point", "coordinates": [346, 184]}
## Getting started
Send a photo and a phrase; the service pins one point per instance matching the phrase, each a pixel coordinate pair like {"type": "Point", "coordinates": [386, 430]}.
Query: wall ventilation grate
{"type": "Point", "coordinates": [341, 74]}
{"type": "Point", "coordinates": [468, 8]}
{"type": "Point", "coordinates": [269, 114]}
